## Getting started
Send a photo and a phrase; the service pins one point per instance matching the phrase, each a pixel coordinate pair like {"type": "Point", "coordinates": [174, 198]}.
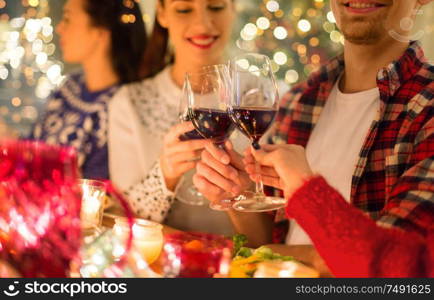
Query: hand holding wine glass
{"type": "Point", "coordinates": [188, 193]}
{"type": "Point", "coordinates": [281, 166]}
{"type": "Point", "coordinates": [178, 156]}
{"type": "Point", "coordinates": [209, 90]}
{"type": "Point", "coordinates": [220, 173]}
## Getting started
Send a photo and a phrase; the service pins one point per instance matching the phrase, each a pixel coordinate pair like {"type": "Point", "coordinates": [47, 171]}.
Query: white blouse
{"type": "Point", "coordinates": [140, 116]}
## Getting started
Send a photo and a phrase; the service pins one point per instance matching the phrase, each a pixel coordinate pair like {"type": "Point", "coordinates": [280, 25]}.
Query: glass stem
{"type": "Point", "coordinates": [259, 195]}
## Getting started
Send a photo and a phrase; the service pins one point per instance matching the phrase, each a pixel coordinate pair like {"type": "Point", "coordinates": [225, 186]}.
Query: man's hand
{"type": "Point", "coordinates": [220, 173]}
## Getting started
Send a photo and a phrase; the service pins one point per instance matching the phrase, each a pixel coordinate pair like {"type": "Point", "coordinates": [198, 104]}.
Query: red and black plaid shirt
{"type": "Point", "coordinates": [393, 180]}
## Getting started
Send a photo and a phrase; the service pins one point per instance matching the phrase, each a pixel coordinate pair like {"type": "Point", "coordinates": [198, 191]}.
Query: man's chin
{"type": "Point", "coordinates": [361, 40]}
{"type": "Point", "coordinates": [362, 35]}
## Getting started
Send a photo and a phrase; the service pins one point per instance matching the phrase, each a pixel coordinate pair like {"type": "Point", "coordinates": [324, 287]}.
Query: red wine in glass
{"type": "Point", "coordinates": [190, 135]}
{"type": "Point", "coordinates": [212, 124]}
{"type": "Point", "coordinates": [253, 121]}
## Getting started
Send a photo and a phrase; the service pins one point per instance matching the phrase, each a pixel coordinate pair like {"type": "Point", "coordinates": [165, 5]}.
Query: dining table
{"type": "Point", "coordinates": [305, 254]}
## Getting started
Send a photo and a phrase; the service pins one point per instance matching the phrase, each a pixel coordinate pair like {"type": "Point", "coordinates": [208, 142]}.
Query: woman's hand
{"type": "Point", "coordinates": [282, 166]}
{"type": "Point", "coordinates": [220, 173]}
{"type": "Point", "coordinates": [179, 156]}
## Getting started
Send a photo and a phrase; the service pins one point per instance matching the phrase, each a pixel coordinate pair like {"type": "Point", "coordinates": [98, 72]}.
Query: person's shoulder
{"type": "Point", "coordinates": [69, 82]}
{"type": "Point", "coordinates": [75, 77]}
{"type": "Point", "coordinates": [143, 89]}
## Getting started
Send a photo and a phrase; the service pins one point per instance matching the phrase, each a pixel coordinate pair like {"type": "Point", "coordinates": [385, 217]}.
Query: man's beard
{"type": "Point", "coordinates": [360, 31]}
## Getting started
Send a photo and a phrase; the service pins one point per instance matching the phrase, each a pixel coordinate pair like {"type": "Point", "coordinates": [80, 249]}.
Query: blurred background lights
{"type": "Point", "coordinates": [335, 36]}
{"type": "Point", "coordinates": [54, 73]}
{"type": "Point", "coordinates": [291, 76]}
{"type": "Point", "coordinates": [304, 25]}
{"type": "Point", "coordinates": [272, 6]}
{"type": "Point", "coordinates": [17, 22]}
{"type": "Point", "coordinates": [250, 29]}
{"type": "Point", "coordinates": [249, 32]}
{"type": "Point", "coordinates": [4, 73]}
{"type": "Point", "coordinates": [41, 58]}
{"type": "Point", "coordinates": [263, 23]}
{"type": "Point", "coordinates": [280, 58]}
{"type": "Point", "coordinates": [16, 101]}
{"type": "Point", "coordinates": [280, 33]}
{"type": "Point", "coordinates": [297, 12]}
{"type": "Point", "coordinates": [331, 17]}
{"type": "Point", "coordinates": [33, 3]}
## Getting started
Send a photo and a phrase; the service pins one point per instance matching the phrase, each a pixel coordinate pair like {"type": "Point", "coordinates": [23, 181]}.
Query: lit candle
{"type": "Point", "coordinates": [93, 196]}
{"type": "Point", "coordinates": [147, 237]}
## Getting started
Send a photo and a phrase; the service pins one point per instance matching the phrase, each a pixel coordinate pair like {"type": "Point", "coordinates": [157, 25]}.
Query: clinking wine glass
{"type": "Point", "coordinates": [208, 92]}
{"type": "Point", "coordinates": [253, 107]}
{"type": "Point", "coordinates": [190, 195]}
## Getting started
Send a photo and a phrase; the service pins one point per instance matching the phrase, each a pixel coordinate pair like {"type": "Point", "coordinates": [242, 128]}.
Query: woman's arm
{"type": "Point", "coordinates": [150, 198]}
{"type": "Point", "coordinates": [351, 243]}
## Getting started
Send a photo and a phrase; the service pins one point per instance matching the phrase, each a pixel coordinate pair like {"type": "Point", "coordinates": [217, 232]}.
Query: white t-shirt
{"type": "Point", "coordinates": [336, 141]}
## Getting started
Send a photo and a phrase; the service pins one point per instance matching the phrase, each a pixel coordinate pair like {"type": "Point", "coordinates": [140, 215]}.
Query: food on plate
{"type": "Point", "coordinates": [246, 260]}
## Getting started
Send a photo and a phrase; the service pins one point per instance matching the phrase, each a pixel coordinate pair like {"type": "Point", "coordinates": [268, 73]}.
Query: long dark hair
{"type": "Point", "coordinates": [157, 55]}
{"type": "Point", "coordinates": [124, 20]}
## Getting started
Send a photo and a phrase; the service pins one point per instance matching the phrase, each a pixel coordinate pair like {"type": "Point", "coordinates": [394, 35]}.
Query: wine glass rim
{"type": "Point", "coordinates": [251, 54]}
{"type": "Point", "coordinates": [35, 143]}
{"type": "Point", "coordinates": [38, 146]}
{"type": "Point", "coordinates": [233, 62]}
{"type": "Point", "coordinates": [206, 69]}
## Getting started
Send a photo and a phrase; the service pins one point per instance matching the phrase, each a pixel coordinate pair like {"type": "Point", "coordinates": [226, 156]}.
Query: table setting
{"type": "Point", "coordinates": [54, 224]}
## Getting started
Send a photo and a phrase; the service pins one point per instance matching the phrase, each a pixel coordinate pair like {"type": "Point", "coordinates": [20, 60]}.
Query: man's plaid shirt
{"type": "Point", "coordinates": [393, 180]}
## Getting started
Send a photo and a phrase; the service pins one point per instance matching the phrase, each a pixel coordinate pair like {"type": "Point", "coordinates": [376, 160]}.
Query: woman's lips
{"type": "Point", "coordinates": [203, 42]}
{"type": "Point", "coordinates": [362, 7]}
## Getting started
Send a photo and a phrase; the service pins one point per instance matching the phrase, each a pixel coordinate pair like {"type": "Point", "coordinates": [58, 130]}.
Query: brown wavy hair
{"type": "Point", "coordinates": [128, 38]}
{"type": "Point", "coordinates": [157, 55]}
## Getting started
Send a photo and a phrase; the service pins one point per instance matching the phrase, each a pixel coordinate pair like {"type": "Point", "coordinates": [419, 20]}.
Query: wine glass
{"type": "Point", "coordinates": [196, 255]}
{"type": "Point", "coordinates": [208, 92]}
{"type": "Point", "coordinates": [189, 195]}
{"type": "Point", "coordinates": [40, 208]}
{"type": "Point", "coordinates": [253, 107]}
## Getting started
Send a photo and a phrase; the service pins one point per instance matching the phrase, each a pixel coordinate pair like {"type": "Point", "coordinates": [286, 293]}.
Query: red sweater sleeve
{"type": "Point", "coordinates": [351, 243]}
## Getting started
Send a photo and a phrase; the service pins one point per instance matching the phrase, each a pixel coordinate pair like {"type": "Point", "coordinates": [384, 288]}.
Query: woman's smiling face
{"type": "Point", "coordinates": [198, 29]}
